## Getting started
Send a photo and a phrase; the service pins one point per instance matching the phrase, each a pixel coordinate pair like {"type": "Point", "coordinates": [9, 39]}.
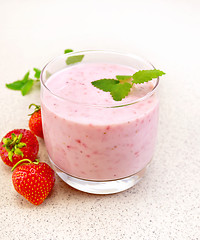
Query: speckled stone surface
{"type": "Point", "coordinates": [166, 203]}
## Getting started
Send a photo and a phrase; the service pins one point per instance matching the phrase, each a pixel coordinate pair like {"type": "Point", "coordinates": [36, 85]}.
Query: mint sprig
{"type": "Point", "coordinates": [73, 59]}
{"type": "Point", "coordinates": [27, 87]}
{"type": "Point", "coordinates": [120, 91]}
{"type": "Point", "coordinates": [68, 51]}
{"type": "Point", "coordinates": [105, 84]}
{"type": "Point", "coordinates": [37, 73]}
{"type": "Point", "coordinates": [146, 75]}
{"type": "Point", "coordinates": [120, 87]}
{"type": "Point", "coordinates": [17, 85]}
{"type": "Point", "coordinates": [26, 83]}
{"type": "Point", "coordinates": [123, 77]}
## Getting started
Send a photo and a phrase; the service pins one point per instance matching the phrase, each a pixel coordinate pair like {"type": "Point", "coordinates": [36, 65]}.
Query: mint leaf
{"type": "Point", "coordinates": [105, 84]}
{"type": "Point", "coordinates": [146, 75]}
{"type": "Point", "coordinates": [120, 91]}
{"type": "Point", "coordinates": [74, 59]}
{"type": "Point", "coordinates": [68, 50]}
{"type": "Point", "coordinates": [123, 77]}
{"type": "Point", "coordinates": [26, 76]}
{"type": "Point", "coordinates": [37, 73]}
{"type": "Point", "coordinates": [17, 85]}
{"type": "Point", "coordinates": [121, 87]}
{"type": "Point", "coordinates": [117, 90]}
{"type": "Point", "coordinates": [27, 87]}
{"type": "Point", "coordinates": [26, 83]}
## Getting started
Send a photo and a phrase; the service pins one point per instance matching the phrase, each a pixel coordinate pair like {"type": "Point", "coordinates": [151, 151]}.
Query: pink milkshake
{"type": "Point", "coordinates": [89, 136]}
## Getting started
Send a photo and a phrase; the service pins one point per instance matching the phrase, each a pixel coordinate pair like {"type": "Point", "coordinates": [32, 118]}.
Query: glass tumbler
{"type": "Point", "coordinates": [99, 148]}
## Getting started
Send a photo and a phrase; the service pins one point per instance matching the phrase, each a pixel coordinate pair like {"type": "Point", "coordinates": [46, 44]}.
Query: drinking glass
{"type": "Point", "coordinates": [99, 148]}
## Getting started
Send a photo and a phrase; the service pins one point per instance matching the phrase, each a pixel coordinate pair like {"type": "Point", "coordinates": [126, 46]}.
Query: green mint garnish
{"type": "Point", "coordinates": [74, 59]}
{"type": "Point", "coordinates": [123, 77]}
{"type": "Point", "coordinates": [26, 84]}
{"type": "Point", "coordinates": [120, 91]}
{"type": "Point", "coordinates": [120, 87]}
{"type": "Point", "coordinates": [146, 75]}
{"type": "Point", "coordinates": [68, 51]}
{"type": "Point", "coordinates": [17, 85]}
{"type": "Point", "coordinates": [105, 84]}
{"type": "Point", "coordinates": [27, 87]}
{"type": "Point", "coordinates": [37, 73]}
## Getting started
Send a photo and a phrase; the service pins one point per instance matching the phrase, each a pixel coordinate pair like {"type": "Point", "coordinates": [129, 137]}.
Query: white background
{"type": "Point", "coordinates": [165, 205]}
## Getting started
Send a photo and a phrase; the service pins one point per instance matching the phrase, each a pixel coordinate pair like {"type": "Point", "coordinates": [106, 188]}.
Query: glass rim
{"type": "Point", "coordinates": [108, 105]}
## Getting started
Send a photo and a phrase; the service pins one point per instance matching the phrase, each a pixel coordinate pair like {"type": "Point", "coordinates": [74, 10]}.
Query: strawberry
{"type": "Point", "coordinates": [35, 121]}
{"type": "Point", "coordinates": [18, 144]}
{"type": "Point", "coordinates": [33, 180]}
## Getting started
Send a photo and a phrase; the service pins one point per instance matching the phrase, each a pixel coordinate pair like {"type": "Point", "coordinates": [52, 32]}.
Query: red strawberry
{"type": "Point", "coordinates": [18, 144]}
{"type": "Point", "coordinates": [33, 180]}
{"type": "Point", "coordinates": [35, 121]}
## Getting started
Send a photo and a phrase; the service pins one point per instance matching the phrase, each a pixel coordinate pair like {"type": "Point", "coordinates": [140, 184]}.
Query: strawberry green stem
{"type": "Point", "coordinates": [37, 108]}
{"type": "Point", "coordinates": [13, 145]}
{"type": "Point", "coordinates": [23, 161]}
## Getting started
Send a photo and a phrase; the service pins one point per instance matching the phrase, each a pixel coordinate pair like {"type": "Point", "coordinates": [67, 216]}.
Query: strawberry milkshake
{"type": "Point", "coordinates": [89, 136]}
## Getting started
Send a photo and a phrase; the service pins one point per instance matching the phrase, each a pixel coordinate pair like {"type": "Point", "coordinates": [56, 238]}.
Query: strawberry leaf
{"type": "Point", "coordinates": [7, 148]}
{"type": "Point", "coordinates": [19, 138]}
{"type": "Point", "coordinates": [10, 154]}
{"type": "Point", "coordinates": [6, 141]}
{"type": "Point", "coordinates": [105, 84]}
{"type": "Point", "coordinates": [18, 152]}
{"type": "Point", "coordinates": [21, 145]}
{"type": "Point", "coordinates": [146, 75]}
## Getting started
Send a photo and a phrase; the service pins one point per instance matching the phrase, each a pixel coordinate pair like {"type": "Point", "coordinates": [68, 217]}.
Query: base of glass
{"type": "Point", "coordinates": [101, 187]}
